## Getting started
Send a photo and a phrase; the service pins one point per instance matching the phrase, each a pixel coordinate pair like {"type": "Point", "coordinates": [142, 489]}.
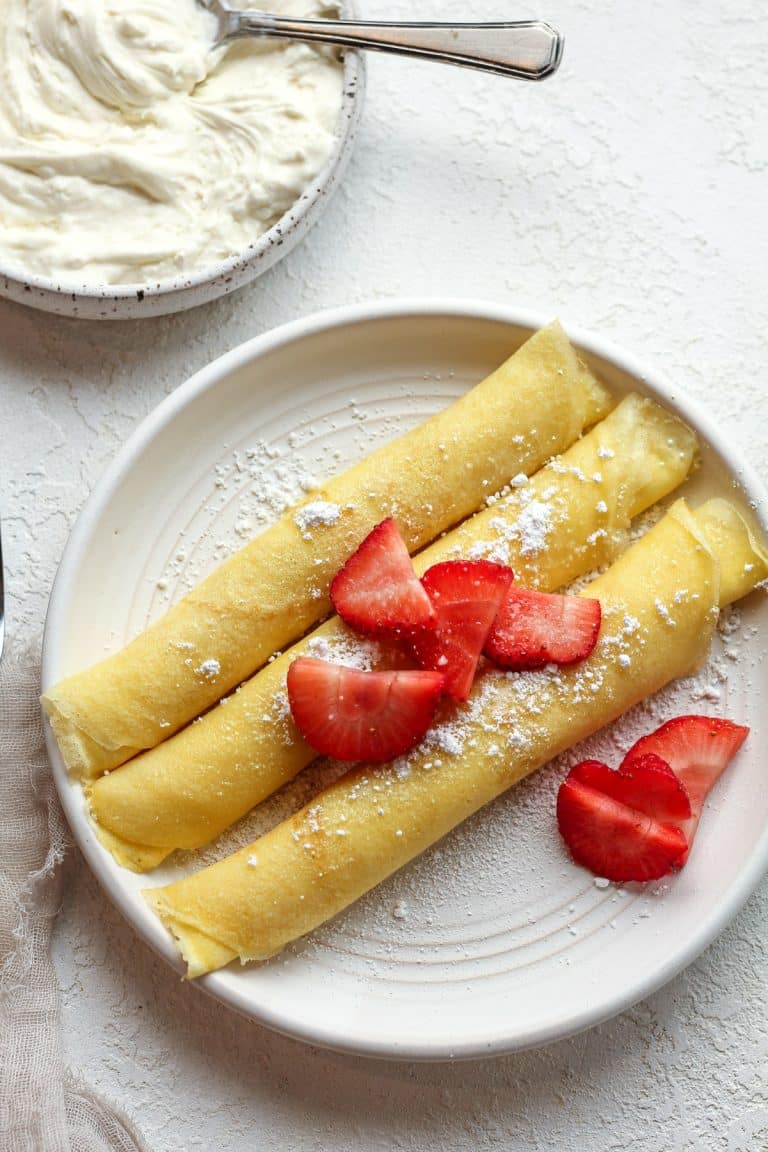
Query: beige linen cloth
{"type": "Point", "coordinates": [43, 1108]}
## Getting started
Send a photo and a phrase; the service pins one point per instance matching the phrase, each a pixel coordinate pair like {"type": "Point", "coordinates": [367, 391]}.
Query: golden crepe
{"type": "Point", "coordinates": [569, 519]}
{"type": "Point", "coordinates": [660, 605]}
{"type": "Point", "coordinates": [266, 595]}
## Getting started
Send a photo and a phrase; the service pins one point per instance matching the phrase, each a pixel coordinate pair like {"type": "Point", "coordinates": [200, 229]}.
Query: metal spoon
{"type": "Point", "coordinates": [526, 49]}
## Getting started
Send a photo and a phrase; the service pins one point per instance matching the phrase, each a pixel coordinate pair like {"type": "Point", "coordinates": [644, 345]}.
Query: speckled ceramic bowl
{"type": "Point", "coordinates": [68, 297]}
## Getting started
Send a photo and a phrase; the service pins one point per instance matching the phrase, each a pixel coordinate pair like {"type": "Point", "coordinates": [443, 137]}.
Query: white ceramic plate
{"type": "Point", "coordinates": [492, 941]}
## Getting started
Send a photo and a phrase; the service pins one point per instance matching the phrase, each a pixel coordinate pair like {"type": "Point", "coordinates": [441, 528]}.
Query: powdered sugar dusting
{"type": "Point", "coordinates": [524, 519]}
{"type": "Point", "coordinates": [533, 527]}
{"type": "Point", "coordinates": [317, 514]}
{"type": "Point", "coordinates": [342, 646]}
{"type": "Point", "coordinates": [252, 488]}
{"type": "Point", "coordinates": [256, 483]}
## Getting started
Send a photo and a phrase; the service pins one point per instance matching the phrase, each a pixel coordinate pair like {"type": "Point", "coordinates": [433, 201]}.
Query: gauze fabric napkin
{"type": "Point", "coordinates": [42, 1106]}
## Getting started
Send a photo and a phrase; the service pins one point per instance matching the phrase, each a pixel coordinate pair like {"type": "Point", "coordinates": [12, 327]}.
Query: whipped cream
{"type": "Point", "coordinates": [132, 150]}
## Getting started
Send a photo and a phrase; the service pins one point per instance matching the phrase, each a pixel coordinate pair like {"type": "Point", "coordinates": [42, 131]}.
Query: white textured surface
{"type": "Point", "coordinates": [627, 194]}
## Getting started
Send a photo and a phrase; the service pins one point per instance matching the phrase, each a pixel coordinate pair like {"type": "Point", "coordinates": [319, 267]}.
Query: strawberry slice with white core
{"type": "Point", "coordinates": [466, 595]}
{"type": "Point", "coordinates": [353, 715]}
{"type": "Point", "coordinates": [537, 628]}
{"type": "Point", "coordinates": [647, 785]}
{"type": "Point", "coordinates": [697, 749]}
{"type": "Point", "coordinates": [377, 591]}
{"type": "Point", "coordinates": [620, 825]}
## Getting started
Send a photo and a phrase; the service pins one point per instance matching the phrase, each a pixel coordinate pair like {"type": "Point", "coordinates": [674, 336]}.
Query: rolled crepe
{"type": "Point", "coordinates": [660, 604]}
{"type": "Point", "coordinates": [266, 595]}
{"type": "Point", "coordinates": [569, 519]}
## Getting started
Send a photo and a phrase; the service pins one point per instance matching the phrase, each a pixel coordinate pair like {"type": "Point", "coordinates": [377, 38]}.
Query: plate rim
{"type": "Point", "coordinates": [657, 384]}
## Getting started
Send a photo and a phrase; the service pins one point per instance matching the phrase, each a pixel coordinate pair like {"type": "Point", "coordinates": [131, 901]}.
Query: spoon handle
{"type": "Point", "coordinates": [528, 50]}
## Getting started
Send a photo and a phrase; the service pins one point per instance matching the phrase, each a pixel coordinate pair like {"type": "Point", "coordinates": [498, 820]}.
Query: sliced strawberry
{"type": "Point", "coordinates": [647, 785]}
{"type": "Point", "coordinates": [377, 591]}
{"type": "Point", "coordinates": [353, 715]}
{"type": "Point", "coordinates": [466, 595]}
{"type": "Point", "coordinates": [608, 833]}
{"type": "Point", "coordinates": [697, 749]}
{"type": "Point", "coordinates": [537, 628]}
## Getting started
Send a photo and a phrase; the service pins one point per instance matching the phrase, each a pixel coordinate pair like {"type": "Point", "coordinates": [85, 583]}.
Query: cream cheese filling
{"type": "Point", "coordinates": [131, 150]}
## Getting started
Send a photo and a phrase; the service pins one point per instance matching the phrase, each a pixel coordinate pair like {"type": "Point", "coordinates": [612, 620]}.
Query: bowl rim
{"type": "Point", "coordinates": [352, 91]}
{"type": "Point", "coordinates": [658, 384]}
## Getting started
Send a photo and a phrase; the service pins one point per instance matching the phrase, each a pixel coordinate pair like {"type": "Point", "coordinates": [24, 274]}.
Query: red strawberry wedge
{"type": "Point", "coordinates": [353, 715]}
{"type": "Point", "coordinates": [647, 785]}
{"type": "Point", "coordinates": [619, 824]}
{"type": "Point", "coordinates": [466, 595]}
{"type": "Point", "coordinates": [697, 749]}
{"type": "Point", "coordinates": [536, 628]}
{"type": "Point", "coordinates": [377, 591]}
